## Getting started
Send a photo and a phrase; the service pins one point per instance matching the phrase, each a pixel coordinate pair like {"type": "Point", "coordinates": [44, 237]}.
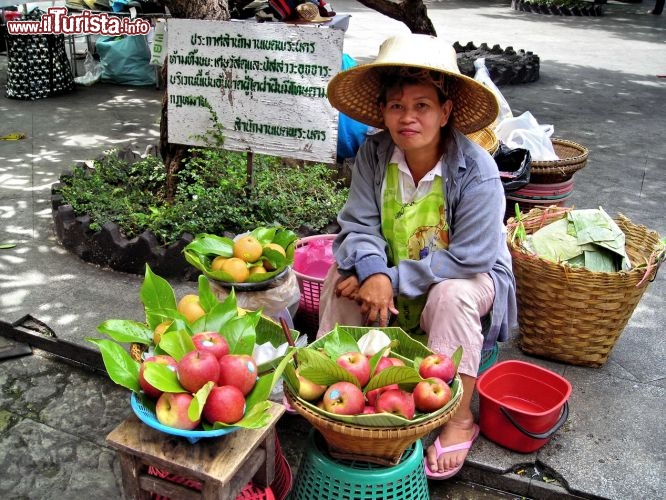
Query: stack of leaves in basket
{"type": "Point", "coordinates": [373, 377]}
{"type": "Point", "coordinates": [196, 372]}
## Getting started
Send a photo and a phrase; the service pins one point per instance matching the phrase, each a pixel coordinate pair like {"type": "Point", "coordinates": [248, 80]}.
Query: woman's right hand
{"type": "Point", "coordinates": [375, 296]}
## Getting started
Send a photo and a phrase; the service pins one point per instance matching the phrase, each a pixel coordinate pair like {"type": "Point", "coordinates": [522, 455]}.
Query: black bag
{"type": "Point", "coordinates": [37, 65]}
{"type": "Point", "coordinates": [514, 167]}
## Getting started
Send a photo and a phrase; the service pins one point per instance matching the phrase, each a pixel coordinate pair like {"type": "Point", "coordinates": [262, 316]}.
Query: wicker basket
{"type": "Point", "coordinates": [377, 445]}
{"type": "Point", "coordinates": [576, 315]}
{"type": "Point", "coordinates": [485, 138]}
{"type": "Point", "coordinates": [572, 156]}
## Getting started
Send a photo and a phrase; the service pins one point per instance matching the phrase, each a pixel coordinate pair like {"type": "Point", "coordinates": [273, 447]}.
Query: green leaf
{"type": "Point", "coordinates": [264, 235]}
{"type": "Point", "coordinates": [290, 377]}
{"type": "Point", "coordinates": [199, 401]}
{"type": "Point", "coordinates": [256, 417]}
{"type": "Point", "coordinates": [199, 261]}
{"type": "Point", "coordinates": [161, 377]}
{"type": "Point", "coordinates": [120, 366]}
{"type": "Point", "coordinates": [220, 314]}
{"type": "Point", "coordinates": [177, 343]}
{"type": "Point", "coordinates": [156, 293]}
{"type": "Point", "coordinates": [126, 331]}
{"type": "Point", "coordinates": [207, 297]}
{"type": "Point", "coordinates": [6, 246]}
{"type": "Point", "coordinates": [240, 333]}
{"type": "Point", "coordinates": [285, 238]}
{"type": "Point", "coordinates": [456, 357]}
{"type": "Point", "coordinates": [264, 386]}
{"type": "Point", "coordinates": [375, 359]}
{"type": "Point", "coordinates": [211, 244]}
{"type": "Point", "coordinates": [405, 376]}
{"type": "Point", "coordinates": [339, 342]}
{"type": "Point", "coordinates": [320, 369]}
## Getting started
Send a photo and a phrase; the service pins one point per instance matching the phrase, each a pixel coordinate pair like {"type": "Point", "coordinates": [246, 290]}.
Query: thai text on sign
{"type": "Point", "coordinates": [265, 82]}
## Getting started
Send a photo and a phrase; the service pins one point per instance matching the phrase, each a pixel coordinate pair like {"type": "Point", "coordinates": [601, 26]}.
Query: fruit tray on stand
{"type": "Point", "coordinates": [375, 437]}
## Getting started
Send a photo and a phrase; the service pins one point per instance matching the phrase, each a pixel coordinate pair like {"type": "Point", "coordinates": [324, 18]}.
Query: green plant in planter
{"type": "Point", "coordinates": [212, 194]}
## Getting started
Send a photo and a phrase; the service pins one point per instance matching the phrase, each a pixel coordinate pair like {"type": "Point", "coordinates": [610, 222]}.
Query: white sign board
{"type": "Point", "coordinates": [266, 82]}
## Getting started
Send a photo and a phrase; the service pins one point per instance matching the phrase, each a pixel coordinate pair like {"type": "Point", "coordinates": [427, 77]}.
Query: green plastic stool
{"type": "Point", "coordinates": [488, 358]}
{"type": "Point", "coordinates": [321, 477]}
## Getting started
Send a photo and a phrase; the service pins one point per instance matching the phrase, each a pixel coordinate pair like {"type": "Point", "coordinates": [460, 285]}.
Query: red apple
{"type": "Point", "coordinates": [344, 398]}
{"type": "Point", "coordinates": [439, 366]}
{"type": "Point", "coordinates": [163, 359]}
{"type": "Point", "coordinates": [369, 410]}
{"type": "Point", "coordinates": [212, 342]}
{"type": "Point", "coordinates": [197, 368]}
{"type": "Point", "coordinates": [382, 364]}
{"type": "Point", "coordinates": [397, 402]}
{"type": "Point", "coordinates": [238, 370]}
{"type": "Point", "coordinates": [397, 361]}
{"type": "Point", "coordinates": [357, 364]}
{"type": "Point", "coordinates": [372, 395]}
{"type": "Point", "coordinates": [171, 410]}
{"type": "Point", "coordinates": [431, 394]}
{"type": "Point", "coordinates": [308, 390]}
{"type": "Point", "coordinates": [225, 404]}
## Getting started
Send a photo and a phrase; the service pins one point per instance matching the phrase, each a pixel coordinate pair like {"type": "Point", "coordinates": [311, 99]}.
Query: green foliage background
{"type": "Point", "coordinates": [213, 195]}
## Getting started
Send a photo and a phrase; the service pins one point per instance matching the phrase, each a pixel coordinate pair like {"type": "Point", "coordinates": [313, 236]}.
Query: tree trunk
{"type": "Point", "coordinates": [410, 12]}
{"type": "Point", "coordinates": [173, 155]}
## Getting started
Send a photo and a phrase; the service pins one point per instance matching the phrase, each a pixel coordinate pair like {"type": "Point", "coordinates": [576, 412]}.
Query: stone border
{"type": "Point", "coordinates": [506, 66]}
{"type": "Point", "coordinates": [109, 248]}
{"type": "Point", "coordinates": [592, 9]}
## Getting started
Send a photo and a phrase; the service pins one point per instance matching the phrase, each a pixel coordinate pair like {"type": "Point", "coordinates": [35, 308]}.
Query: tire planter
{"type": "Point", "coordinates": [584, 9]}
{"type": "Point", "coordinates": [506, 66]}
{"type": "Point", "coordinates": [109, 248]}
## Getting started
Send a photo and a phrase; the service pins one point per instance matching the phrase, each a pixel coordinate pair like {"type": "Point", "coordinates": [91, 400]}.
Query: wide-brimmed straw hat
{"type": "Point", "coordinates": [355, 92]}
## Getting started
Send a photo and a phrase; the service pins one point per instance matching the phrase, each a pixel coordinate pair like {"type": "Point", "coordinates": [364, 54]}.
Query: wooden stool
{"type": "Point", "coordinates": [223, 465]}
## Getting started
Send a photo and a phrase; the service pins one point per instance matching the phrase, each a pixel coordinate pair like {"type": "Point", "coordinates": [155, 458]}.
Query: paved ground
{"type": "Point", "coordinates": [598, 87]}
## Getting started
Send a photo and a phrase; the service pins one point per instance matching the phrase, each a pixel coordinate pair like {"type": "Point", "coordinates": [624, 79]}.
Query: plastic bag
{"type": "Point", "coordinates": [525, 132]}
{"type": "Point", "coordinates": [483, 76]}
{"type": "Point", "coordinates": [514, 166]}
{"type": "Point", "coordinates": [314, 259]}
{"type": "Point", "coordinates": [93, 71]}
{"type": "Point", "coordinates": [125, 60]}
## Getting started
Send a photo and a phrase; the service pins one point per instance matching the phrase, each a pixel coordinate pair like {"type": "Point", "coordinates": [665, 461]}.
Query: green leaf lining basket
{"type": "Point", "coordinates": [376, 438]}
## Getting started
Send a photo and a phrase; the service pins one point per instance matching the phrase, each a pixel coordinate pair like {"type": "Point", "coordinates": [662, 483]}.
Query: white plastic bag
{"type": "Point", "coordinates": [483, 76]}
{"type": "Point", "coordinates": [93, 71]}
{"type": "Point", "coordinates": [525, 132]}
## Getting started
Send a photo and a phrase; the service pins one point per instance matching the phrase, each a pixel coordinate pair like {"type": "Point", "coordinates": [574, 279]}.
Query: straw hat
{"type": "Point", "coordinates": [355, 92]}
{"type": "Point", "coordinates": [309, 12]}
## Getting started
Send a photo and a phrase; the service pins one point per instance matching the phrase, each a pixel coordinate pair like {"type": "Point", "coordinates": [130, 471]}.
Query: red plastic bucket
{"type": "Point", "coordinates": [521, 405]}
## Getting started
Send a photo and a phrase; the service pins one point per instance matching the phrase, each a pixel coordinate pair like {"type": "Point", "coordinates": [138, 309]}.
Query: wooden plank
{"type": "Point", "coordinates": [219, 458]}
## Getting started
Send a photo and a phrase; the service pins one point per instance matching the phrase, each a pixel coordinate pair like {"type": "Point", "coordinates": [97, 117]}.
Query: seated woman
{"type": "Point", "coordinates": [422, 241]}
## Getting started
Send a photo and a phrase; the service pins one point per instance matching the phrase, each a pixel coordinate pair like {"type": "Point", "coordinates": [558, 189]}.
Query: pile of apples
{"type": "Point", "coordinates": [232, 377]}
{"type": "Point", "coordinates": [346, 398]}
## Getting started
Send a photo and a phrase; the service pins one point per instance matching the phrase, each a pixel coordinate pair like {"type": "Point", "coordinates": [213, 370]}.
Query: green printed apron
{"type": "Point", "coordinates": [413, 231]}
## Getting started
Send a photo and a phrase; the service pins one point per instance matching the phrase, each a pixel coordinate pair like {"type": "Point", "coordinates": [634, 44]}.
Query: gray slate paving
{"type": "Point", "coordinates": [598, 87]}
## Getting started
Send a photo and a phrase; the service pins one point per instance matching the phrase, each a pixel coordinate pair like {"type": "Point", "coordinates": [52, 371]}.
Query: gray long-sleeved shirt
{"type": "Point", "coordinates": [475, 207]}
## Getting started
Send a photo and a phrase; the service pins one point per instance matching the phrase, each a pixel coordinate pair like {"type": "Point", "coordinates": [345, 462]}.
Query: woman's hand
{"type": "Point", "coordinates": [347, 287]}
{"type": "Point", "coordinates": [375, 296]}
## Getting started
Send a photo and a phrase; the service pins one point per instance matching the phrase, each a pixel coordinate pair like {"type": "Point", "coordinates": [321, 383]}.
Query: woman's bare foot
{"type": "Point", "coordinates": [455, 432]}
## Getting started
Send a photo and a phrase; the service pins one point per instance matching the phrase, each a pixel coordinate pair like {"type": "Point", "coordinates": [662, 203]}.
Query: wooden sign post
{"type": "Point", "coordinates": [266, 82]}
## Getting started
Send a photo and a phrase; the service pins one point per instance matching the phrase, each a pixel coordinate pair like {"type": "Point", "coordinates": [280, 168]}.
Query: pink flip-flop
{"type": "Point", "coordinates": [287, 407]}
{"type": "Point", "coordinates": [456, 447]}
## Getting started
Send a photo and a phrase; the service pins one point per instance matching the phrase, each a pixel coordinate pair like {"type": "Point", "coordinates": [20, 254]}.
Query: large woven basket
{"type": "Point", "coordinates": [572, 157]}
{"type": "Point", "coordinates": [378, 445]}
{"type": "Point", "coordinates": [576, 315]}
{"type": "Point", "coordinates": [485, 138]}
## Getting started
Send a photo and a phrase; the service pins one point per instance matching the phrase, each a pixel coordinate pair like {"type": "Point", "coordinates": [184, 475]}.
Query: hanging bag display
{"type": "Point", "coordinates": [37, 65]}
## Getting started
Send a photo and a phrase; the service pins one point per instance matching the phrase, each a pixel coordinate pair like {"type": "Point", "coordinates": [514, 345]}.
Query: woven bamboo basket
{"type": "Point", "coordinates": [576, 315]}
{"type": "Point", "coordinates": [485, 138]}
{"type": "Point", "coordinates": [377, 445]}
{"type": "Point", "coordinates": [572, 157]}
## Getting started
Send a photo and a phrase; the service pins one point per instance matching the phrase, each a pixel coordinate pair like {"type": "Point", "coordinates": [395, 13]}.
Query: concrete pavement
{"type": "Point", "coordinates": [598, 87]}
